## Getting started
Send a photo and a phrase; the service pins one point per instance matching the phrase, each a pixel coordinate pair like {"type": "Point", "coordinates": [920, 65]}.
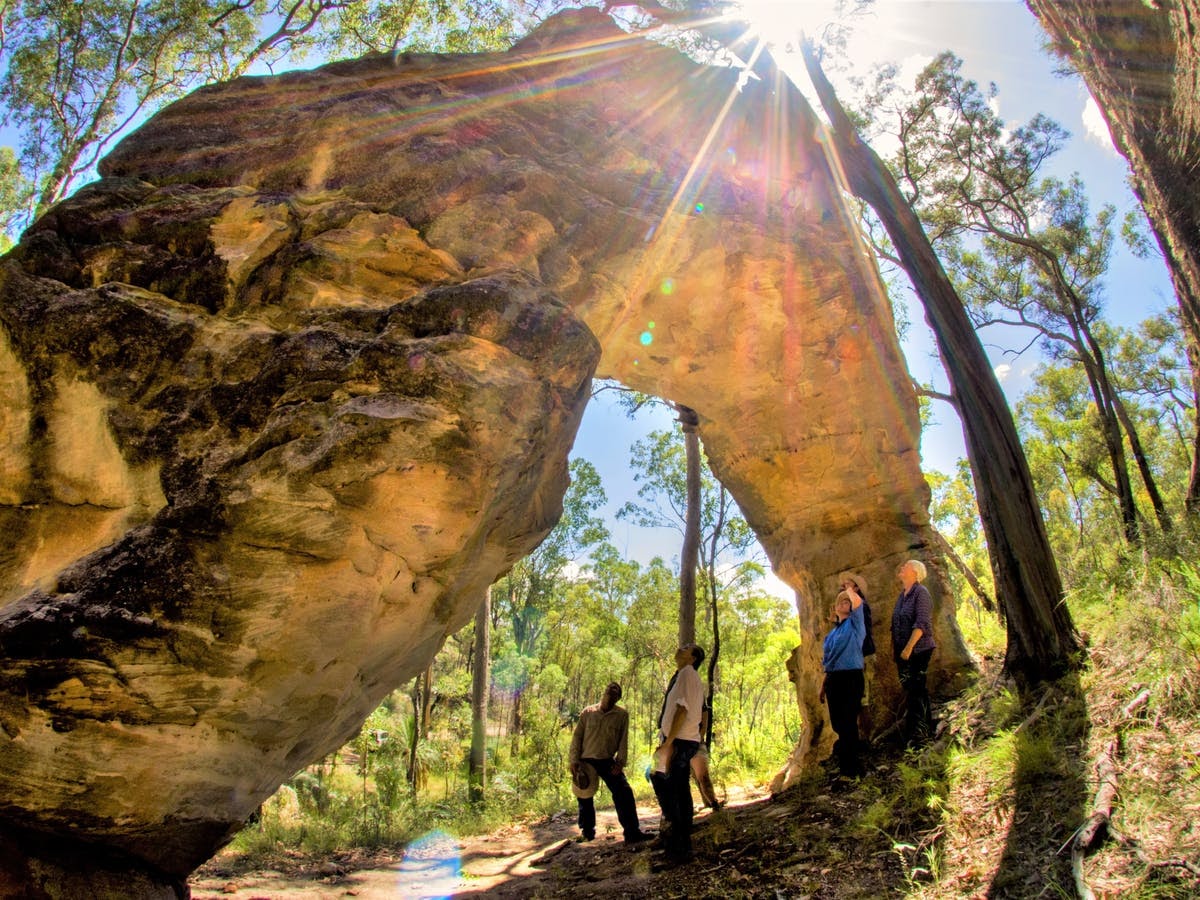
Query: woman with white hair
{"type": "Point", "coordinates": [912, 646]}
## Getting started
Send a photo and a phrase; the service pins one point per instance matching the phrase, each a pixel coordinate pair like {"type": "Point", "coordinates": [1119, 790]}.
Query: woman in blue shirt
{"type": "Point", "coordinates": [842, 660]}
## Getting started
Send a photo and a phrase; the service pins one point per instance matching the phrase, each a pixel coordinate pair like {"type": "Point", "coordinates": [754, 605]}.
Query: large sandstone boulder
{"type": "Point", "coordinates": [295, 380]}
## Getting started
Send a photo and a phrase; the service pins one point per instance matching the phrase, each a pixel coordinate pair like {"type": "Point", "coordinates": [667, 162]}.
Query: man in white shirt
{"type": "Point", "coordinates": [679, 737]}
{"type": "Point", "coordinates": [601, 741]}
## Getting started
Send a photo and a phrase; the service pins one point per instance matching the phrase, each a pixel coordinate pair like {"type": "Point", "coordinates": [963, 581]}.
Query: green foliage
{"type": "Point", "coordinates": [1025, 250]}
{"type": "Point", "coordinates": [660, 468]}
{"type": "Point", "coordinates": [78, 75]}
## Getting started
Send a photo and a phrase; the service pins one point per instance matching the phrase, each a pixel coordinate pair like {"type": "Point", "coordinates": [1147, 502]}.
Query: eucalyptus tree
{"type": "Point", "coordinates": [666, 472]}
{"type": "Point", "coordinates": [1041, 636]}
{"type": "Point", "coordinates": [1022, 249]}
{"type": "Point", "coordinates": [1068, 459]}
{"type": "Point", "coordinates": [1138, 58]}
{"type": "Point", "coordinates": [481, 669]}
{"type": "Point", "coordinates": [1151, 364]}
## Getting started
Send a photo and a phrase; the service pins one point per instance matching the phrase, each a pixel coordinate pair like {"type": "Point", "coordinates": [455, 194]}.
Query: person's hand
{"type": "Point", "coordinates": [617, 768]}
{"type": "Point", "coordinates": [906, 653]}
{"type": "Point", "coordinates": [821, 695]}
{"type": "Point", "coordinates": [574, 769]}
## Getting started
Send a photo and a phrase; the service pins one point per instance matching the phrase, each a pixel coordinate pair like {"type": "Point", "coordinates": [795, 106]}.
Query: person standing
{"type": "Point", "coordinates": [679, 739]}
{"type": "Point", "coordinates": [601, 742]}
{"type": "Point", "coordinates": [848, 580]}
{"type": "Point", "coordinates": [912, 646]}
{"type": "Point", "coordinates": [842, 688]}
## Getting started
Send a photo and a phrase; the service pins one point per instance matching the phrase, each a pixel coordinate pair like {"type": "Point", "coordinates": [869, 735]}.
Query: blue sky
{"type": "Point", "coordinates": [999, 41]}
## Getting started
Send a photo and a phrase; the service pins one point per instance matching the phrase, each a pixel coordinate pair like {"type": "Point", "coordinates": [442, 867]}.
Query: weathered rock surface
{"type": "Point", "coordinates": [297, 379]}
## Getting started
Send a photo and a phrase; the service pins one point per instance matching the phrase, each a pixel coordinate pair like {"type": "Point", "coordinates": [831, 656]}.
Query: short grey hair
{"type": "Point", "coordinates": [918, 567]}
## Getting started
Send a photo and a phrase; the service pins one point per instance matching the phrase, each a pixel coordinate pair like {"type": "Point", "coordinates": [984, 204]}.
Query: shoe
{"type": "Point", "coordinates": [638, 837]}
{"type": "Point", "coordinates": [585, 837]}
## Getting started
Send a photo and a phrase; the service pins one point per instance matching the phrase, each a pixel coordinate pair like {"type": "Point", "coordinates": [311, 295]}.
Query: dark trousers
{"type": "Point", "coordinates": [844, 693]}
{"type": "Point", "coordinates": [918, 721]}
{"type": "Point", "coordinates": [674, 792]}
{"type": "Point", "coordinates": [622, 795]}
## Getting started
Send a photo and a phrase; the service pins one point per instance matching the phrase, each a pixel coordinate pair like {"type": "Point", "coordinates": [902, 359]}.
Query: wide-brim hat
{"type": "Point", "coordinates": [585, 781]}
{"type": "Point", "coordinates": [858, 580]}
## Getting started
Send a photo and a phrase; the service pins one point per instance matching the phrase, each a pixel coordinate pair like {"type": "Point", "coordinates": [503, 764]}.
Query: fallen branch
{"type": "Point", "coordinates": [1091, 832]}
{"type": "Point", "coordinates": [1135, 704]}
{"type": "Point", "coordinates": [1098, 824]}
{"type": "Point", "coordinates": [1175, 864]}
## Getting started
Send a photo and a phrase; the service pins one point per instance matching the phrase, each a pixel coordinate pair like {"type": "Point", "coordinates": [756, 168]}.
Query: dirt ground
{"type": "Point", "coordinates": [756, 846]}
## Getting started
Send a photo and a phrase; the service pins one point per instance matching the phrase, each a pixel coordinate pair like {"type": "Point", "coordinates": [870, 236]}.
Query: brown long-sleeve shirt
{"type": "Point", "coordinates": [601, 735]}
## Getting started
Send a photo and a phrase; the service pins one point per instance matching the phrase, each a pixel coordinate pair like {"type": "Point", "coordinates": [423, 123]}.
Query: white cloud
{"type": "Point", "coordinates": [1094, 126]}
{"type": "Point", "coordinates": [1003, 371]}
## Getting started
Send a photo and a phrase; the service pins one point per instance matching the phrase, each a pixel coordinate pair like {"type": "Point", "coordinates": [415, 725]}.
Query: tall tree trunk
{"type": "Point", "coordinates": [420, 702]}
{"type": "Point", "coordinates": [514, 728]}
{"type": "Point", "coordinates": [1143, 465]}
{"type": "Point", "coordinates": [1042, 642]}
{"type": "Point", "coordinates": [1115, 407]}
{"type": "Point", "coordinates": [715, 655]}
{"type": "Point", "coordinates": [477, 766]}
{"type": "Point", "coordinates": [1114, 443]}
{"type": "Point", "coordinates": [1192, 501]}
{"type": "Point", "coordinates": [1140, 61]}
{"type": "Point", "coordinates": [689, 556]}
{"type": "Point", "coordinates": [426, 701]}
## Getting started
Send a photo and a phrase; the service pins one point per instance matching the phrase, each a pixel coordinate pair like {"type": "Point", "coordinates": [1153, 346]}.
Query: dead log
{"type": "Point", "coordinates": [1097, 826]}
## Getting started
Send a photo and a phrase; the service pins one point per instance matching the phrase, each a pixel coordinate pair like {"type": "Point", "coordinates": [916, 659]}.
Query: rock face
{"type": "Point", "coordinates": [295, 380]}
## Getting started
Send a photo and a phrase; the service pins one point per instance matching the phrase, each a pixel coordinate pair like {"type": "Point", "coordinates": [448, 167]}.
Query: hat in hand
{"type": "Point", "coordinates": [585, 781]}
{"type": "Point", "coordinates": [859, 581]}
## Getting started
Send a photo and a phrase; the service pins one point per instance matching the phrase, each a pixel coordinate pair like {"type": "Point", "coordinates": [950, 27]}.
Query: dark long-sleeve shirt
{"type": "Point", "coordinates": [914, 609]}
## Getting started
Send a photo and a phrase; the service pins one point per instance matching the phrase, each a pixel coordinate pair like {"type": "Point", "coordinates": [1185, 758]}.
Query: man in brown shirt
{"type": "Point", "coordinates": [601, 740]}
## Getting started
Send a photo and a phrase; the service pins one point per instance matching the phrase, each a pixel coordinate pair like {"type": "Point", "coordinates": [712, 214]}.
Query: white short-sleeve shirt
{"type": "Point", "coordinates": [688, 692]}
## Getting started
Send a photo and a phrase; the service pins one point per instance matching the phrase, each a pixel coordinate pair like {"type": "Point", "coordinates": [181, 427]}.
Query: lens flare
{"type": "Point", "coordinates": [431, 868]}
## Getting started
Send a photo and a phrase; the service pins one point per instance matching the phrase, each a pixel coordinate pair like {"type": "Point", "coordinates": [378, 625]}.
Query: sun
{"type": "Point", "coordinates": [782, 22]}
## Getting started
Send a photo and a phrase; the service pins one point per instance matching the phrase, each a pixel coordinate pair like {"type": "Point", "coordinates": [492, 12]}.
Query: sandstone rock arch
{"type": "Point", "coordinates": [297, 379]}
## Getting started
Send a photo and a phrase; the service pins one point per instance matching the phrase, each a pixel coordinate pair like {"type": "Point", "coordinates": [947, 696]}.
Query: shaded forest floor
{"type": "Point", "coordinates": [753, 842]}
{"type": "Point", "coordinates": [988, 809]}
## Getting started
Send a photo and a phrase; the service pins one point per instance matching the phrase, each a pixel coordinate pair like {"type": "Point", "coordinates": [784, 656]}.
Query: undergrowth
{"type": "Point", "coordinates": [1003, 791]}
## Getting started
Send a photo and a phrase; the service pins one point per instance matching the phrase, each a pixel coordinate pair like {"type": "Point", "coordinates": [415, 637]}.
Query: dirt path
{"type": "Point", "coordinates": [543, 859]}
{"type": "Point", "coordinates": [799, 844]}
